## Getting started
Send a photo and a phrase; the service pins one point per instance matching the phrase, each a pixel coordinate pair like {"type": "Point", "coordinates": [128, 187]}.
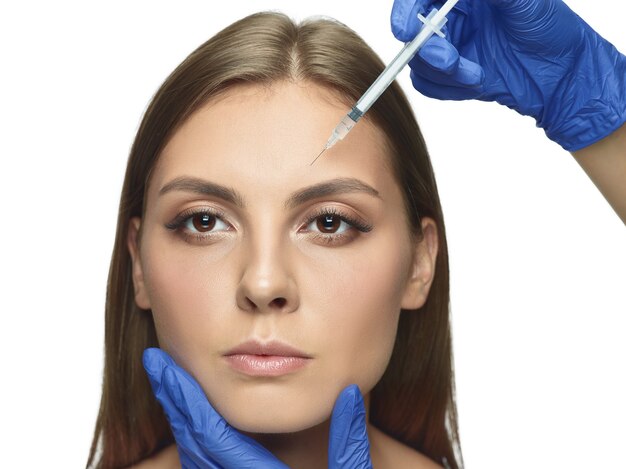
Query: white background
{"type": "Point", "coordinates": [538, 258]}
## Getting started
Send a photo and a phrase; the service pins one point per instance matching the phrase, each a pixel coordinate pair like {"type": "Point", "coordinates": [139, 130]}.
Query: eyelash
{"type": "Point", "coordinates": [177, 224]}
{"type": "Point", "coordinates": [331, 238]}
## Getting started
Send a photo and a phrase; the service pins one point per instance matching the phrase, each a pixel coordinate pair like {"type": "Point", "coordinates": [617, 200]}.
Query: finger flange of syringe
{"type": "Point", "coordinates": [433, 24]}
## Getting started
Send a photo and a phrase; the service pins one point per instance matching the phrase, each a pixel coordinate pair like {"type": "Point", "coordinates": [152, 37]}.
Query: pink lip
{"type": "Point", "coordinates": [272, 359]}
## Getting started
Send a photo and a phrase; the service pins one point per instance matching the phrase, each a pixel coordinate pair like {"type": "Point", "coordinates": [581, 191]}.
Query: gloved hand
{"type": "Point", "coordinates": [205, 440]}
{"type": "Point", "coordinates": [535, 56]}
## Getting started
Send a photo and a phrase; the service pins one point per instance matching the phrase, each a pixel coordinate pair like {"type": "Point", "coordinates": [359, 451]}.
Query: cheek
{"type": "Point", "coordinates": [366, 297]}
{"type": "Point", "coordinates": [187, 295]}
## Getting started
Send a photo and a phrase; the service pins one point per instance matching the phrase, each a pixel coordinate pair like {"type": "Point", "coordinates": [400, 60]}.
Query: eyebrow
{"type": "Point", "coordinates": [322, 189]}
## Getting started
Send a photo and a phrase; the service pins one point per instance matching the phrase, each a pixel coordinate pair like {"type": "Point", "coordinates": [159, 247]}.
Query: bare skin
{"type": "Point", "coordinates": [605, 164]}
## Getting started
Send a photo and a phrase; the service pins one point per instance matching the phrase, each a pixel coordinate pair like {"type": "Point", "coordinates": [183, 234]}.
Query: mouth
{"type": "Point", "coordinates": [271, 359]}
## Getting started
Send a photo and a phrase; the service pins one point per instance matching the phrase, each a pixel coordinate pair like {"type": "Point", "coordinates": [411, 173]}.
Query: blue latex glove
{"type": "Point", "coordinates": [535, 56]}
{"type": "Point", "coordinates": [205, 440]}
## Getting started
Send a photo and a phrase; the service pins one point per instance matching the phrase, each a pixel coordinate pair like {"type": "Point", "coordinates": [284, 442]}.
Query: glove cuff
{"type": "Point", "coordinates": [590, 102]}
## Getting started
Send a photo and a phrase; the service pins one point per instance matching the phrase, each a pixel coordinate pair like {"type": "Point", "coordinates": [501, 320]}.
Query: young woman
{"type": "Point", "coordinates": [231, 245]}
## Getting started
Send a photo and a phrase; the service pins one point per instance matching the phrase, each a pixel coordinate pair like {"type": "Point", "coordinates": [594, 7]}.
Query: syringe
{"type": "Point", "coordinates": [433, 24]}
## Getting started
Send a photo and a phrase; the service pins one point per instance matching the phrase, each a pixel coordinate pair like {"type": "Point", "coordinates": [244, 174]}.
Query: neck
{"type": "Point", "coordinates": [306, 449]}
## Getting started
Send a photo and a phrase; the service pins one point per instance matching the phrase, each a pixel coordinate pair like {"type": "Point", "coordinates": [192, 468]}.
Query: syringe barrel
{"type": "Point", "coordinates": [342, 129]}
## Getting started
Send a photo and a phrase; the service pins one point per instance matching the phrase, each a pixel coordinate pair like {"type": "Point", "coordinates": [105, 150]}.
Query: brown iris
{"type": "Point", "coordinates": [203, 222]}
{"type": "Point", "coordinates": [328, 223]}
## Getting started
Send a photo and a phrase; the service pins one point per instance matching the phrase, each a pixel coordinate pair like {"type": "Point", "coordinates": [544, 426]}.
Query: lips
{"type": "Point", "coordinates": [271, 359]}
{"type": "Point", "coordinates": [274, 348]}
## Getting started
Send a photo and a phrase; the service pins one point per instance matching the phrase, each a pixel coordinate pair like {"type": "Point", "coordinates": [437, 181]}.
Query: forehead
{"type": "Point", "coordinates": [262, 139]}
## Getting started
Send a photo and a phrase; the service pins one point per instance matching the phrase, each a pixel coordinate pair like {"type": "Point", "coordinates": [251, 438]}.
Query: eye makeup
{"type": "Point", "coordinates": [331, 218]}
{"type": "Point", "coordinates": [201, 219]}
{"type": "Point", "coordinates": [331, 225]}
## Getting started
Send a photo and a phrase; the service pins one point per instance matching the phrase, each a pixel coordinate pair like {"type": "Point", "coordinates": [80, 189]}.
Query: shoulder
{"type": "Point", "coordinates": [167, 458]}
{"type": "Point", "coordinates": [387, 452]}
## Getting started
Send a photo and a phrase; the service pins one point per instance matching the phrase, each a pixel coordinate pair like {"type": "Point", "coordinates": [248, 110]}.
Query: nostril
{"type": "Point", "coordinates": [279, 302]}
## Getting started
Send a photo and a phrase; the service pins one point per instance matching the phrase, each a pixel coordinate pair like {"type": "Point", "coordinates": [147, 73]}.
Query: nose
{"type": "Point", "coordinates": [267, 284]}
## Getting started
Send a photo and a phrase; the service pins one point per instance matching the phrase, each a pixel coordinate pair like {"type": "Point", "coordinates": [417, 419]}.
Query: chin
{"type": "Point", "coordinates": [271, 408]}
{"type": "Point", "coordinates": [276, 418]}
{"type": "Point", "coordinates": [275, 426]}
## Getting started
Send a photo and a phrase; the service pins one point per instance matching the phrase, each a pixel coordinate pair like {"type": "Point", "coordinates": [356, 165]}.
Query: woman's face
{"type": "Point", "coordinates": [242, 240]}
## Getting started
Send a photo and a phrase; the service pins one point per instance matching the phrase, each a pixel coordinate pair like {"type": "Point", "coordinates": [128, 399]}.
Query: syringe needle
{"type": "Point", "coordinates": [433, 24]}
{"type": "Point", "coordinates": [320, 154]}
{"type": "Point", "coordinates": [339, 132]}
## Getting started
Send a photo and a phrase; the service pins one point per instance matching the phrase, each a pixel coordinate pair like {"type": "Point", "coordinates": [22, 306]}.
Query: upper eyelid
{"type": "Point", "coordinates": [349, 219]}
{"type": "Point", "coordinates": [185, 215]}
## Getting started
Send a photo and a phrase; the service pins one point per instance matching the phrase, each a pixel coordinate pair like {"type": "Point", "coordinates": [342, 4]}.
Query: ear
{"type": "Point", "coordinates": [141, 295]}
{"type": "Point", "coordinates": [423, 267]}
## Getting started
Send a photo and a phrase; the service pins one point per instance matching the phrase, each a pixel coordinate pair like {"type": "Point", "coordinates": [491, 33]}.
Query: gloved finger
{"type": "Point", "coordinates": [404, 22]}
{"type": "Point", "coordinates": [193, 454]}
{"type": "Point", "coordinates": [215, 436]}
{"type": "Point", "coordinates": [155, 361]}
{"type": "Point", "coordinates": [444, 92]}
{"type": "Point", "coordinates": [348, 444]}
{"type": "Point", "coordinates": [439, 55]}
{"type": "Point", "coordinates": [466, 75]}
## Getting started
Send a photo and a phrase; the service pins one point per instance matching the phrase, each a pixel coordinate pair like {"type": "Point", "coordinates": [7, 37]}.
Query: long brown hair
{"type": "Point", "coordinates": [414, 401]}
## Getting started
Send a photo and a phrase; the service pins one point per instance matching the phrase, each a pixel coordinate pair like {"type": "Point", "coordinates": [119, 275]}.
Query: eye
{"type": "Point", "coordinates": [329, 224]}
{"type": "Point", "coordinates": [203, 222]}
{"type": "Point", "coordinates": [199, 225]}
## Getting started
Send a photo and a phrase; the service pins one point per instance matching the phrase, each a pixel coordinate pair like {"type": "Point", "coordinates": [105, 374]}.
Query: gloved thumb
{"type": "Point", "coordinates": [200, 431]}
{"type": "Point", "coordinates": [349, 446]}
